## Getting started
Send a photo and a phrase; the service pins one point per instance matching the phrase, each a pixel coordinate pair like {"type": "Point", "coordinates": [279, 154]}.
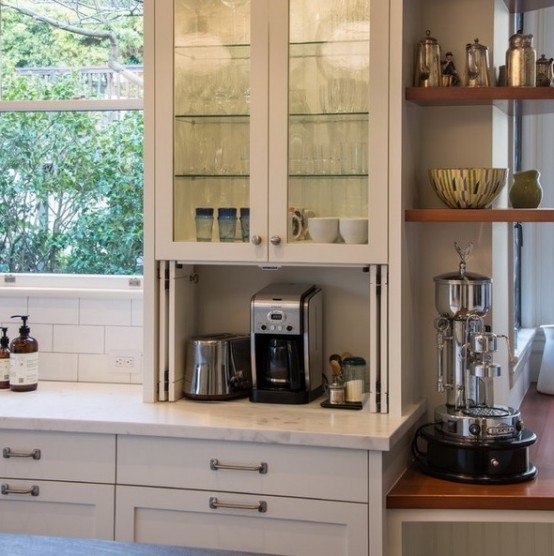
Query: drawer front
{"type": "Point", "coordinates": [308, 472]}
{"type": "Point", "coordinates": [214, 520]}
{"type": "Point", "coordinates": [57, 456]}
{"type": "Point", "coordinates": [57, 508]}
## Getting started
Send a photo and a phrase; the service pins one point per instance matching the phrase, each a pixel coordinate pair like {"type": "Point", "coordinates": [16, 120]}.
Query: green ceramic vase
{"type": "Point", "coordinates": [526, 191]}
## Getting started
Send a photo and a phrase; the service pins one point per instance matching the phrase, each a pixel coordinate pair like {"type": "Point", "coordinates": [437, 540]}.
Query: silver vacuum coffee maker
{"type": "Point", "coordinates": [472, 439]}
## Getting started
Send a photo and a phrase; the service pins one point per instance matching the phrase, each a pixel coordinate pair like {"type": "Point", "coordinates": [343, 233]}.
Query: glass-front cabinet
{"type": "Point", "coordinates": [271, 131]}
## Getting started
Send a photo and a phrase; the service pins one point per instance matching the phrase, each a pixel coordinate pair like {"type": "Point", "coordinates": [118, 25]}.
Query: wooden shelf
{"type": "Point", "coordinates": [522, 6]}
{"type": "Point", "coordinates": [479, 215]}
{"type": "Point", "coordinates": [449, 96]}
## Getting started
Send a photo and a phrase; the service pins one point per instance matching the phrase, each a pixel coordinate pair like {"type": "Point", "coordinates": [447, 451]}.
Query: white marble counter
{"type": "Point", "coordinates": [119, 409]}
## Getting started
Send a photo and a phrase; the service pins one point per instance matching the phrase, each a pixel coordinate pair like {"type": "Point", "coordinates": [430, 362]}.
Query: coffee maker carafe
{"type": "Point", "coordinates": [286, 340]}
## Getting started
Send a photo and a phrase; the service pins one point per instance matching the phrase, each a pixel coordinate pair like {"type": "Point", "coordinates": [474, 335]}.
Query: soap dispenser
{"type": "Point", "coordinates": [23, 359]}
{"type": "Point", "coordinates": [4, 360]}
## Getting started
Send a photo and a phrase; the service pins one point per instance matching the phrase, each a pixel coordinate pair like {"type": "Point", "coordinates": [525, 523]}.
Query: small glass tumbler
{"type": "Point", "coordinates": [204, 223]}
{"type": "Point", "coordinates": [227, 221]}
{"type": "Point", "coordinates": [245, 223]}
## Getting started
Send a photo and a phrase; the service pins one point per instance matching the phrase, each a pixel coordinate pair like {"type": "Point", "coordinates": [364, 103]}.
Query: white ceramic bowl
{"type": "Point", "coordinates": [353, 230]}
{"type": "Point", "coordinates": [323, 229]}
{"type": "Point", "coordinates": [469, 188]}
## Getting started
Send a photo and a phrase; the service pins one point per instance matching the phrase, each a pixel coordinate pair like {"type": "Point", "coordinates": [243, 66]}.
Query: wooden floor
{"type": "Point", "coordinates": [417, 490]}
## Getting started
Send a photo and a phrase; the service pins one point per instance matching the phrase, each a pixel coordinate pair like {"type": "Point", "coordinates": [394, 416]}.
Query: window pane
{"type": "Point", "coordinates": [65, 49]}
{"type": "Point", "coordinates": [71, 192]}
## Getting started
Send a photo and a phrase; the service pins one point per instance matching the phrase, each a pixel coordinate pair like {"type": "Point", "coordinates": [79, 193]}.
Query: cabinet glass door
{"type": "Point", "coordinates": [211, 127]}
{"type": "Point", "coordinates": [336, 192]}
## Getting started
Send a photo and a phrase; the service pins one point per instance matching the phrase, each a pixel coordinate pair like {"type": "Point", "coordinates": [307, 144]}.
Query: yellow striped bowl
{"type": "Point", "coordinates": [468, 188]}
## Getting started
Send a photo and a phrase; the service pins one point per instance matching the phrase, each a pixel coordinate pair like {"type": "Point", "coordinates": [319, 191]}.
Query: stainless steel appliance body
{"type": "Point", "coordinates": [218, 367]}
{"type": "Point", "coordinates": [472, 439]}
{"type": "Point", "coordinates": [286, 341]}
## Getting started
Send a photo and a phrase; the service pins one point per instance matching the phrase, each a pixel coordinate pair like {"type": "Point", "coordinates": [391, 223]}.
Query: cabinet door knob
{"type": "Point", "coordinates": [256, 240]}
{"type": "Point", "coordinates": [275, 240]}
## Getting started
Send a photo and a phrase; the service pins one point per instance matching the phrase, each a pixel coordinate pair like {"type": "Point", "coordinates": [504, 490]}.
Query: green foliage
{"type": "Point", "coordinates": [71, 183]}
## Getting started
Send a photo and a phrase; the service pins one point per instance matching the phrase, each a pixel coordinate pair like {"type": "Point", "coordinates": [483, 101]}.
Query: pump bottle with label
{"type": "Point", "coordinates": [23, 359]}
{"type": "Point", "coordinates": [4, 360]}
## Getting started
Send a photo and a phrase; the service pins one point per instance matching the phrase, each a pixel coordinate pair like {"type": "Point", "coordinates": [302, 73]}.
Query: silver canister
{"type": "Point", "coordinates": [427, 67]}
{"type": "Point", "coordinates": [521, 60]}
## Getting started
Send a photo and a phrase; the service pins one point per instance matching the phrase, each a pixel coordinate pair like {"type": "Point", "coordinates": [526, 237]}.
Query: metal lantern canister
{"type": "Point", "coordinates": [521, 60]}
{"type": "Point", "coordinates": [472, 439]}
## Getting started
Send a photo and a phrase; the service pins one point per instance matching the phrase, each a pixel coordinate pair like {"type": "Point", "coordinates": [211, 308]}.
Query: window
{"type": "Point", "coordinates": [71, 136]}
{"type": "Point", "coordinates": [537, 140]}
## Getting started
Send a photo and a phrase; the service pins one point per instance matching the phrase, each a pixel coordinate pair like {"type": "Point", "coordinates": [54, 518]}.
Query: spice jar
{"type": "Point", "coordinates": [354, 370]}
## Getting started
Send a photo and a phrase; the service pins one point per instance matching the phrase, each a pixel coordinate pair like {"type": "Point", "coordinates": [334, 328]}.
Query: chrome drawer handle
{"type": "Point", "coordinates": [215, 465]}
{"type": "Point", "coordinates": [261, 506]}
{"type": "Point", "coordinates": [9, 453]}
{"type": "Point", "coordinates": [33, 491]}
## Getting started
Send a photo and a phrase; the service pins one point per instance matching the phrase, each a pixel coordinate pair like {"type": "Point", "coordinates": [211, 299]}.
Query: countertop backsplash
{"type": "Point", "coordinates": [82, 339]}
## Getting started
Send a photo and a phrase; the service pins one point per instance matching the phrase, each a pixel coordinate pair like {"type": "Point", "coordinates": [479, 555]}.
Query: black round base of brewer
{"type": "Point", "coordinates": [492, 462]}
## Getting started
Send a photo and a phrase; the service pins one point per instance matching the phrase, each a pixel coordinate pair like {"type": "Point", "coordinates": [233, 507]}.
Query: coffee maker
{"type": "Point", "coordinates": [473, 439]}
{"type": "Point", "coordinates": [286, 340]}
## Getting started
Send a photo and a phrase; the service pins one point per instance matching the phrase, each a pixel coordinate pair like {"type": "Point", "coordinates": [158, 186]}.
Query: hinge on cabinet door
{"type": "Point", "coordinates": [9, 279]}
{"type": "Point", "coordinates": [166, 381]}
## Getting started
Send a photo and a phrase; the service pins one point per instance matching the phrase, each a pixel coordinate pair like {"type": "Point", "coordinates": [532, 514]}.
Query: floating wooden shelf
{"type": "Point", "coordinates": [522, 6]}
{"type": "Point", "coordinates": [479, 215]}
{"type": "Point", "coordinates": [449, 96]}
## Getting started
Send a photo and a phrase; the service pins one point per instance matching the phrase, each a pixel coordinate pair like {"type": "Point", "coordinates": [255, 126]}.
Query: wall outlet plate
{"type": "Point", "coordinates": [125, 361]}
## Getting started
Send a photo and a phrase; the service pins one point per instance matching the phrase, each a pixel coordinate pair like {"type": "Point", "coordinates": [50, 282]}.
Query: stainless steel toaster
{"type": "Point", "coordinates": [218, 366]}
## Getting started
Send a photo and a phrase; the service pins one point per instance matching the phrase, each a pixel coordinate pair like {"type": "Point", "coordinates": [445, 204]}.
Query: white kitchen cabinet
{"type": "Point", "coordinates": [288, 526]}
{"type": "Point", "coordinates": [270, 105]}
{"type": "Point", "coordinates": [57, 484]}
{"type": "Point", "coordinates": [244, 496]}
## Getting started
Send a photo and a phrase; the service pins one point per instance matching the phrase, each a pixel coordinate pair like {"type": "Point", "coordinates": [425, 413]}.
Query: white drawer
{"type": "Point", "coordinates": [57, 456]}
{"type": "Point", "coordinates": [231, 521]}
{"type": "Point", "coordinates": [307, 472]}
{"type": "Point", "coordinates": [57, 508]}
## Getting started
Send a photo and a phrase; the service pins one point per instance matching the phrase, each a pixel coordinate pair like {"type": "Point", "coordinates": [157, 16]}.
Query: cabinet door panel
{"type": "Point", "coordinates": [291, 470]}
{"type": "Point", "coordinates": [63, 456]}
{"type": "Point", "coordinates": [288, 526]}
{"type": "Point", "coordinates": [58, 509]}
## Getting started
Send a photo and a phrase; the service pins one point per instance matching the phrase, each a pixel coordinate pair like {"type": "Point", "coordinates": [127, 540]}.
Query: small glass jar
{"type": "Point", "coordinates": [227, 222]}
{"type": "Point", "coordinates": [245, 223]}
{"type": "Point", "coordinates": [204, 223]}
{"type": "Point", "coordinates": [354, 370]}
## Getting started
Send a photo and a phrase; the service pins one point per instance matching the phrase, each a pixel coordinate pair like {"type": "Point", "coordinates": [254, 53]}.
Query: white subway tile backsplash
{"type": "Point", "coordinates": [54, 310]}
{"type": "Point", "coordinates": [137, 312]}
{"type": "Point", "coordinates": [96, 311]}
{"type": "Point", "coordinates": [78, 339]}
{"type": "Point", "coordinates": [95, 368]}
{"type": "Point", "coordinates": [43, 334]}
{"type": "Point", "coordinates": [120, 338]}
{"type": "Point", "coordinates": [12, 306]}
{"type": "Point", "coordinates": [76, 336]}
{"type": "Point", "coordinates": [58, 366]}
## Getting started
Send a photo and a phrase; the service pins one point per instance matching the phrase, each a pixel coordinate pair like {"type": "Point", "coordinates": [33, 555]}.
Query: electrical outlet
{"type": "Point", "coordinates": [128, 361]}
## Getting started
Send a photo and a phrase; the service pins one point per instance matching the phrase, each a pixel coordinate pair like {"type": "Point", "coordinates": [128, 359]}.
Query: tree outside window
{"type": "Point", "coordinates": [71, 136]}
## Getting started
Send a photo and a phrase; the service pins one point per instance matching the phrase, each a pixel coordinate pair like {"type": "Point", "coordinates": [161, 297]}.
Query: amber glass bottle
{"type": "Point", "coordinates": [4, 360]}
{"type": "Point", "coordinates": [23, 359]}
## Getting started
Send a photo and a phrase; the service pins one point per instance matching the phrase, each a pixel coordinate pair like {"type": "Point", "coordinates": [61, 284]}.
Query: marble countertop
{"type": "Point", "coordinates": [119, 409]}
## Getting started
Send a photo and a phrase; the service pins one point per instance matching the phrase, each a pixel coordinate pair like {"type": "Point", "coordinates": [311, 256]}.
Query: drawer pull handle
{"type": "Point", "coordinates": [260, 468]}
{"type": "Point", "coordinates": [261, 506]}
{"type": "Point", "coordinates": [33, 491]}
{"type": "Point", "coordinates": [9, 453]}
